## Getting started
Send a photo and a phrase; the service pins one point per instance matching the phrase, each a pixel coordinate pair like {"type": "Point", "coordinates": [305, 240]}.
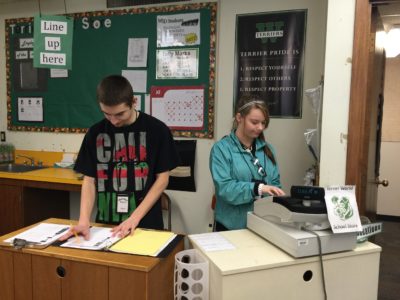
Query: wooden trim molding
{"type": "Point", "coordinates": [358, 131]}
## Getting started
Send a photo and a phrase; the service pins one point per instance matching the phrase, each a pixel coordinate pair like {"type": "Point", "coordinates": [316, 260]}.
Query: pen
{"type": "Point", "coordinates": [77, 239]}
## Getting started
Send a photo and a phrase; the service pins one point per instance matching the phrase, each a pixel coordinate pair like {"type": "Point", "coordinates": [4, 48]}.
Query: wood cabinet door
{"type": "Point", "coordinates": [15, 276]}
{"type": "Point", "coordinates": [41, 204]}
{"type": "Point", "coordinates": [22, 276]}
{"type": "Point", "coordinates": [84, 281]}
{"type": "Point", "coordinates": [128, 284]}
{"type": "Point", "coordinates": [46, 283]}
{"type": "Point", "coordinates": [57, 279]}
{"type": "Point", "coordinates": [11, 212]}
{"type": "Point", "coordinates": [6, 275]}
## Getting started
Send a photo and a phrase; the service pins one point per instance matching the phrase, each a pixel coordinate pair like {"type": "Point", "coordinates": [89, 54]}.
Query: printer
{"type": "Point", "coordinates": [295, 223]}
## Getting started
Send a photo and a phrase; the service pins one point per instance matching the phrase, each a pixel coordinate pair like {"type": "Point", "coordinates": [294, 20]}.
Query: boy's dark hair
{"type": "Point", "coordinates": [114, 90]}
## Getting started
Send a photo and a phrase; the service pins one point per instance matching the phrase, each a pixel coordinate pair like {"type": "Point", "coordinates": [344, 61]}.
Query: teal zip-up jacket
{"type": "Point", "coordinates": [234, 176]}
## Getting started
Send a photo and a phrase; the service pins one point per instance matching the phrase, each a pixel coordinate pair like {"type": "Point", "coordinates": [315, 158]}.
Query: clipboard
{"type": "Point", "coordinates": [39, 236]}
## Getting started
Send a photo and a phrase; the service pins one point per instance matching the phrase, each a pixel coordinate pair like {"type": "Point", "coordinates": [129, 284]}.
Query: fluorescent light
{"type": "Point", "coordinates": [392, 44]}
{"type": "Point", "coordinates": [390, 41]}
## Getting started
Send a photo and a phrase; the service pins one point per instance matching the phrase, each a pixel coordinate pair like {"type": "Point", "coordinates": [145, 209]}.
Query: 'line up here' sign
{"type": "Point", "coordinates": [53, 42]}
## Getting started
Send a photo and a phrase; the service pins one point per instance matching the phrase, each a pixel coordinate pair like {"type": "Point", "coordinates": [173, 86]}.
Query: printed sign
{"type": "Point", "coordinates": [30, 109]}
{"type": "Point", "coordinates": [178, 30]}
{"type": "Point", "coordinates": [53, 42]}
{"type": "Point", "coordinates": [177, 64]}
{"type": "Point", "coordinates": [342, 209]}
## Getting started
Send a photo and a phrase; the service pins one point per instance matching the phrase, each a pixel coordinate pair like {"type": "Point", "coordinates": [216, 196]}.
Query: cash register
{"type": "Point", "coordinates": [298, 224]}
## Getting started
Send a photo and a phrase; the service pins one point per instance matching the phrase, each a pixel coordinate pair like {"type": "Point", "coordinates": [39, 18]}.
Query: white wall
{"type": "Point", "coordinates": [191, 211]}
{"type": "Point", "coordinates": [335, 112]}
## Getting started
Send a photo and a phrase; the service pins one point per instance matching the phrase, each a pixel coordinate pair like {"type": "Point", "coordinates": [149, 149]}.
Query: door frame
{"type": "Point", "coordinates": [362, 107]}
{"type": "Point", "coordinates": [359, 122]}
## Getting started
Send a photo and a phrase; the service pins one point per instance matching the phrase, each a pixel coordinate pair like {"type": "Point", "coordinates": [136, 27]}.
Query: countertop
{"type": "Point", "coordinates": [50, 175]}
{"type": "Point", "coordinates": [254, 253]}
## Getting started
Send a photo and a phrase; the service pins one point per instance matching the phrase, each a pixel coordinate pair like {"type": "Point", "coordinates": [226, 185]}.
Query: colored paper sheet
{"type": "Point", "coordinates": [144, 242]}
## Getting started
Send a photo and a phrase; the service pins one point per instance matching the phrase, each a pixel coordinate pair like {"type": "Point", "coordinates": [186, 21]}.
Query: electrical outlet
{"type": "Point", "coordinates": [3, 136]}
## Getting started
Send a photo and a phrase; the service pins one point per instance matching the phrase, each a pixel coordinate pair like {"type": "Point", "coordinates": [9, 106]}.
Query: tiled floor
{"type": "Point", "coordinates": [389, 270]}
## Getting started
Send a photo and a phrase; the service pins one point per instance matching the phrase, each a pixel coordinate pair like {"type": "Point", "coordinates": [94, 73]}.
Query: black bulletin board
{"type": "Point", "coordinates": [69, 104]}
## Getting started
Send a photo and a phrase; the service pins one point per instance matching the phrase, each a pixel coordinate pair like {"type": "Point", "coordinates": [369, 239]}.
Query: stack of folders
{"type": "Point", "coordinates": [39, 236]}
{"type": "Point", "coordinates": [142, 242]}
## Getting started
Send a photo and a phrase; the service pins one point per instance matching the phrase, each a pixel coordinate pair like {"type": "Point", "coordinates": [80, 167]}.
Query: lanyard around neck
{"type": "Point", "coordinates": [254, 158]}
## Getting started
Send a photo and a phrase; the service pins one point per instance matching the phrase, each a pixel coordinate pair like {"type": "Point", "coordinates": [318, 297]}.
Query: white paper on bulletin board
{"type": "Point", "coordinates": [178, 30]}
{"type": "Point", "coordinates": [179, 107]}
{"type": "Point", "coordinates": [30, 109]}
{"type": "Point", "coordinates": [137, 78]}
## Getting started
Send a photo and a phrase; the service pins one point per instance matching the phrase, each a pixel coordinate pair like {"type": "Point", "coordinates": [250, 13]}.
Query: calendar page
{"type": "Point", "coordinates": [180, 108]}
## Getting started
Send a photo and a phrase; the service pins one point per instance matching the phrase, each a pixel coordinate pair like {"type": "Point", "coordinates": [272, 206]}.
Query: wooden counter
{"type": "Point", "coordinates": [65, 273]}
{"type": "Point", "coordinates": [28, 197]}
{"type": "Point", "coordinates": [48, 178]}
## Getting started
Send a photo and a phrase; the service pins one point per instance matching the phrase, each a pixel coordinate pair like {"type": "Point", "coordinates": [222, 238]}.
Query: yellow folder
{"type": "Point", "coordinates": [144, 242]}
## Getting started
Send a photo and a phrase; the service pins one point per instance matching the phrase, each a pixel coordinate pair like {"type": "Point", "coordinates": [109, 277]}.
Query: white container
{"type": "Point", "coordinates": [191, 278]}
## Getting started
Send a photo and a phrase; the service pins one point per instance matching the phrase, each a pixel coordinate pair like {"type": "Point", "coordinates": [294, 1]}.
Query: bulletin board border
{"type": "Point", "coordinates": [212, 6]}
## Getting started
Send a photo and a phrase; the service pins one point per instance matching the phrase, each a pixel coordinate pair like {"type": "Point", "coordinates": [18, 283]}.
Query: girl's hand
{"type": "Point", "coordinates": [272, 190]}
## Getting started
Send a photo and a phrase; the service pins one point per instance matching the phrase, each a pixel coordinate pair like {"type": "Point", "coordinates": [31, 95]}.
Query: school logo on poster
{"type": "Point", "coordinates": [269, 31]}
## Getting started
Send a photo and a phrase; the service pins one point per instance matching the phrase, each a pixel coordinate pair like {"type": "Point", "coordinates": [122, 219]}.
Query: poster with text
{"type": "Point", "coordinates": [269, 60]}
{"type": "Point", "coordinates": [177, 64]}
{"type": "Point", "coordinates": [178, 30]}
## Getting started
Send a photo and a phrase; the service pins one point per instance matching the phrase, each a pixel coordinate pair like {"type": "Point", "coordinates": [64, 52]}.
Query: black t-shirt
{"type": "Point", "coordinates": [124, 161]}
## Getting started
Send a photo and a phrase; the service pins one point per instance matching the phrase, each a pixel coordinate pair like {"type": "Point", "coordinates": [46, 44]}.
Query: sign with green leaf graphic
{"type": "Point", "coordinates": [342, 209]}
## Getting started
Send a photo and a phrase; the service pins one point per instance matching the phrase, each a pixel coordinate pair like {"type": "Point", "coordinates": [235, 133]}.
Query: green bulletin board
{"type": "Point", "coordinates": [100, 48]}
